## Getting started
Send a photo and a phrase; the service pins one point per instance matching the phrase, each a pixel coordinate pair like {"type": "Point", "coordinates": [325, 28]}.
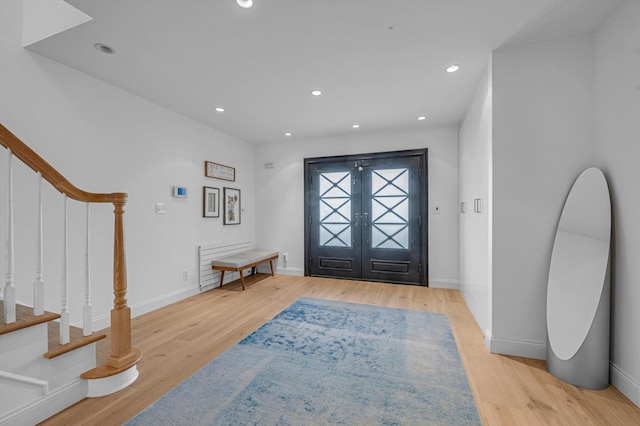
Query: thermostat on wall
{"type": "Point", "coordinates": [180, 191]}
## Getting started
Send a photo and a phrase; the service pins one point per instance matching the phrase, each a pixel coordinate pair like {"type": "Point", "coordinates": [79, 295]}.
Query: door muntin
{"type": "Point", "coordinates": [389, 208]}
{"type": "Point", "coordinates": [334, 220]}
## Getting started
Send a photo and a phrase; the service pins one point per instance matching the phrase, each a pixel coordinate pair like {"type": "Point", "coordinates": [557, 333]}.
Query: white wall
{"type": "Point", "coordinates": [543, 126]}
{"type": "Point", "coordinates": [281, 191]}
{"type": "Point", "coordinates": [617, 95]}
{"type": "Point", "coordinates": [106, 140]}
{"type": "Point", "coordinates": [475, 182]}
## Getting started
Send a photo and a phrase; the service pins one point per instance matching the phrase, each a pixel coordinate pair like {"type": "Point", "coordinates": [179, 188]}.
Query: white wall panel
{"type": "Point", "coordinates": [475, 183]}
{"type": "Point", "coordinates": [617, 97]}
{"type": "Point", "coordinates": [543, 137]}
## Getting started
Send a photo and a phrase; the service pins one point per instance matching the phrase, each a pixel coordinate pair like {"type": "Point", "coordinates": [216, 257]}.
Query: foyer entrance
{"type": "Point", "coordinates": [365, 217]}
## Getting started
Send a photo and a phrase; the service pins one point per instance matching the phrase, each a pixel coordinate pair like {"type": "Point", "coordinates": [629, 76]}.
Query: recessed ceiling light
{"type": "Point", "coordinates": [316, 92]}
{"type": "Point", "coordinates": [104, 48]}
{"type": "Point", "coordinates": [246, 4]}
{"type": "Point", "coordinates": [355, 126]}
{"type": "Point", "coordinates": [453, 68]}
{"type": "Point", "coordinates": [287, 134]}
{"type": "Point", "coordinates": [422, 117]}
{"type": "Point", "coordinates": [219, 109]}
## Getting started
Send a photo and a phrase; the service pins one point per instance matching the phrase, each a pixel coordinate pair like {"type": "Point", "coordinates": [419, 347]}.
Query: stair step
{"type": "Point", "coordinates": [76, 340]}
{"type": "Point", "coordinates": [24, 318]}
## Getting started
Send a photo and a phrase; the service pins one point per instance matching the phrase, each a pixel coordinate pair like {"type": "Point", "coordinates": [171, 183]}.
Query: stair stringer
{"type": "Point", "coordinates": [21, 388]}
{"type": "Point", "coordinates": [22, 355]}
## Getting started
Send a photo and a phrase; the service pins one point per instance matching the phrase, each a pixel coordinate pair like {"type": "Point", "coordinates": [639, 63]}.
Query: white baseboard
{"type": "Point", "coordinates": [160, 301]}
{"type": "Point", "coordinates": [45, 407]}
{"type": "Point", "coordinates": [104, 321]}
{"type": "Point", "coordinates": [537, 350]}
{"type": "Point", "coordinates": [298, 272]}
{"type": "Point", "coordinates": [264, 268]}
{"type": "Point", "coordinates": [444, 283]}
{"type": "Point", "coordinates": [99, 323]}
{"type": "Point", "coordinates": [625, 383]}
{"type": "Point", "coordinates": [487, 339]}
{"type": "Point", "coordinates": [164, 300]}
{"type": "Point", "coordinates": [523, 348]}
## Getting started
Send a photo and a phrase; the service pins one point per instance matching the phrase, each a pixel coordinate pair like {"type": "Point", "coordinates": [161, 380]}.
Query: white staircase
{"type": "Point", "coordinates": [34, 387]}
{"type": "Point", "coordinates": [46, 364]}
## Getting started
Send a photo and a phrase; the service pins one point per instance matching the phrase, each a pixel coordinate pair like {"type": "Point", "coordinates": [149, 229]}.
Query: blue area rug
{"type": "Point", "coordinates": [325, 362]}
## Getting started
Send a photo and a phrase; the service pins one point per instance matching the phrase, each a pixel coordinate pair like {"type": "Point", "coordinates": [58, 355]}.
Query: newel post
{"type": "Point", "coordinates": [121, 351]}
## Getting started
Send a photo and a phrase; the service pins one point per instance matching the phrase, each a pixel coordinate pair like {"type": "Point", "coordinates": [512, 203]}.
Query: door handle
{"type": "Point", "coordinates": [365, 217]}
{"type": "Point", "coordinates": [356, 222]}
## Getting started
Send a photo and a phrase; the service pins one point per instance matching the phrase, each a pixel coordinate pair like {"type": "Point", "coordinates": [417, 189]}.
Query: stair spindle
{"type": "Point", "coordinates": [9, 288]}
{"type": "Point", "coordinates": [38, 285]}
{"type": "Point", "coordinates": [86, 310]}
{"type": "Point", "coordinates": [64, 285]}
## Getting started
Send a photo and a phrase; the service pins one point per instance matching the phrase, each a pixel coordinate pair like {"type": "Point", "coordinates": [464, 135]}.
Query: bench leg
{"type": "Point", "coordinates": [271, 264]}
{"type": "Point", "coordinates": [221, 278]}
{"type": "Point", "coordinates": [241, 278]}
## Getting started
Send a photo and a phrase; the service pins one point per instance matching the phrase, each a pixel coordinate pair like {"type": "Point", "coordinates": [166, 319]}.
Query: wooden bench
{"type": "Point", "coordinates": [241, 261]}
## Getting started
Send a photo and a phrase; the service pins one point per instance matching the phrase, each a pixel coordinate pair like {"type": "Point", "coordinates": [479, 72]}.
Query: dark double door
{"type": "Point", "coordinates": [365, 217]}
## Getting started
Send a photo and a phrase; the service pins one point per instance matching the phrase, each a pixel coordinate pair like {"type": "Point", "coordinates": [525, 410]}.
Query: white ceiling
{"type": "Point", "coordinates": [379, 63]}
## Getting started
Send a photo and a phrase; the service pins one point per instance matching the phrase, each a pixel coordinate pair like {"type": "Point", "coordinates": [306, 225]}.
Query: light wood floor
{"type": "Point", "coordinates": [180, 339]}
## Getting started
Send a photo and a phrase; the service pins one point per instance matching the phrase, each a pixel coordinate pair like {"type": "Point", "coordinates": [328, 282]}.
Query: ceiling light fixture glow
{"type": "Point", "coordinates": [355, 126]}
{"type": "Point", "coordinates": [316, 92]}
{"type": "Point", "coordinates": [219, 109]}
{"type": "Point", "coordinates": [287, 134]}
{"type": "Point", "coordinates": [422, 117]}
{"type": "Point", "coordinates": [245, 4]}
{"type": "Point", "coordinates": [453, 68]}
{"type": "Point", "coordinates": [104, 48]}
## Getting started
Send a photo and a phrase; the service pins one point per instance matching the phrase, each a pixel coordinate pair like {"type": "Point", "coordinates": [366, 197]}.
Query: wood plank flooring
{"type": "Point", "coordinates": [180, 339]}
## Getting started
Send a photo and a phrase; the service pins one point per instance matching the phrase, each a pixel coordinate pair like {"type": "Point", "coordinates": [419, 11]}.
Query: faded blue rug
{"type": "Point", "coordinates": [324, 362]}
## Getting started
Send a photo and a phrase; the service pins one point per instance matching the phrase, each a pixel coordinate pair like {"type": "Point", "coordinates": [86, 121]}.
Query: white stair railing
{"type": "Point", "coordinates": [64, 284]}
{"type": "Point", "coordinates": [38, 284]}
{"type": "Point", "coordinates": [9, 293]}
{"type": "Point", "coordinates": [87, 323]}
{"type": "Point", "coordinates": [123, 355]}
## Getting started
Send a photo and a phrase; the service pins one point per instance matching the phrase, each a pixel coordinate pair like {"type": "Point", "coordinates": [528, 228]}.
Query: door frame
{"type": "Point", "coordinates": [422, 154]}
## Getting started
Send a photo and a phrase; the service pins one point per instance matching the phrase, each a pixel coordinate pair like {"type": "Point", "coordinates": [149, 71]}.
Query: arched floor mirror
{"type": "Point", "coordinates": [578, 292]}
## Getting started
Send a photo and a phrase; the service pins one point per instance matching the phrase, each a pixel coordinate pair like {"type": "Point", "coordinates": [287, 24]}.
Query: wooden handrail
{"type": "Point", "coordinates": [51, 175]}
{"type": "Point", "coordinates": [123, 355]}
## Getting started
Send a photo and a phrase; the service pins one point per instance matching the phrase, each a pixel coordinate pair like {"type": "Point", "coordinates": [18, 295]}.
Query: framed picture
{"type": "Point", "coordinates": [219, 171]}
{"type": "Point", "coordinates": [231, 207]}
{"type": "Point", "coordinates": [210, 202]}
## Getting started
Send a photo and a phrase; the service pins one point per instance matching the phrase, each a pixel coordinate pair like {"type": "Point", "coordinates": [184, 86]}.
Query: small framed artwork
{"type": "Point", "coordinates": [210, 202]}
{"type": "Point", "coordinates": [231, 207]}
{"type": "Point", "coordinates": [219, 171]}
